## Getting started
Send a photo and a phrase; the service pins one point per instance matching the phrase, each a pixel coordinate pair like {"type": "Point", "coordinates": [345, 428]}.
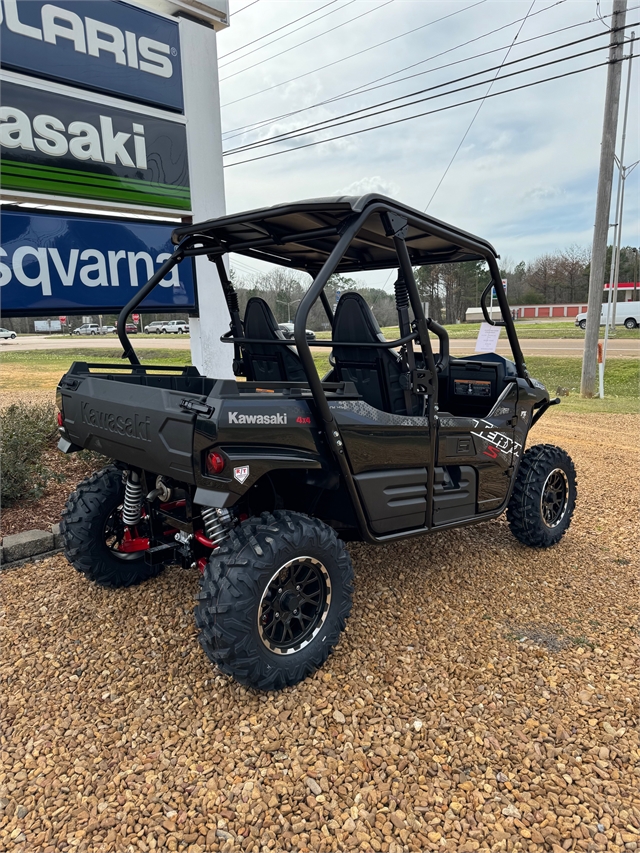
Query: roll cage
{"type": "Point", "coordinates": [338, 235]}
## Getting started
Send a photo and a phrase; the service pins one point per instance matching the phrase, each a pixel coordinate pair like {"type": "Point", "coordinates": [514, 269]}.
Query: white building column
{"type": "Point", "coordinates": [204, 133]}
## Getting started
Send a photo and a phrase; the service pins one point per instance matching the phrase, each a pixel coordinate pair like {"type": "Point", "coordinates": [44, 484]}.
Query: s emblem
{"type": "Point", "coordinates": [241, 473]}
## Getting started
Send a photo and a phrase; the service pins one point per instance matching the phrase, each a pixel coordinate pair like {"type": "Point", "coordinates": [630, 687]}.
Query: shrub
{"type": "Point", "coordinates": [28, 430]}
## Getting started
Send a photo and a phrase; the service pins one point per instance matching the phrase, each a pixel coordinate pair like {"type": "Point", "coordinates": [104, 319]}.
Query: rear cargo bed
{"type": "Point", "coordinates": [138, 417]}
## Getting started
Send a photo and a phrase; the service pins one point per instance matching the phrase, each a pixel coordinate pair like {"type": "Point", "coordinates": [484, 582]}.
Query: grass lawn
{"type": "Point", "coordinates": [39, 370]}
{"type": "Point", "coordinates": [34, 370]}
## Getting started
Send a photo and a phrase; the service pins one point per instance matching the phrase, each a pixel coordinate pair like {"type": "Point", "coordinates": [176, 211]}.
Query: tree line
{"type": "Point", "coordinates": [448, 289]}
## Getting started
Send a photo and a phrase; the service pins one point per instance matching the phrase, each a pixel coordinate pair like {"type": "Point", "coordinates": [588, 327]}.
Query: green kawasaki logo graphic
{"type": "Point", "coordinates": [57, 145]}
{"type": "Point", "coordinates": [67, 182]}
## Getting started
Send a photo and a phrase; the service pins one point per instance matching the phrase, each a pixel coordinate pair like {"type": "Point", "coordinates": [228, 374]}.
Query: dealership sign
{"type": "Point", "coordinates": [51, 263]}
{"type": "Point", "coordinates": [56, 145]}
{"type": "Point", "coordinates": [101, 45]}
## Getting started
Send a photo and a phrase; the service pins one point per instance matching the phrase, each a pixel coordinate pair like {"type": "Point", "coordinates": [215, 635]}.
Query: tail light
{"type": "Point", "coordinates": [60, 422]}
{"type": "Point", "coordinates": [215, 462]}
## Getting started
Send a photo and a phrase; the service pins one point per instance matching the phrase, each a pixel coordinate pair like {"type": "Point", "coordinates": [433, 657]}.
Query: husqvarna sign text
{"type": "Point", "coordinates": [76, 264]}
{"type": "Point", "coordinates": [102, 45]}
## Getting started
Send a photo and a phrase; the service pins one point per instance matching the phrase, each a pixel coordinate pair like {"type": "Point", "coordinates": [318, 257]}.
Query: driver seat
{"type": "Point", "coordinates": [266, 363]}
{"type": "Point", "coordinates": [375, 371]}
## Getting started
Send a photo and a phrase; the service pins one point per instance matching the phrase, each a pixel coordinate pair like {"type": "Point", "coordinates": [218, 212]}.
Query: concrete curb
{"type": "Point", "coordinates": [18, 548]}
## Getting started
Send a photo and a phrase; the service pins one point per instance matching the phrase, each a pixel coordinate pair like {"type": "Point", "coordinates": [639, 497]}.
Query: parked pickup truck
{"type": "Point", "coordinates": [258, 483]}
{"type": "Point", "coordinates": [176, 327]}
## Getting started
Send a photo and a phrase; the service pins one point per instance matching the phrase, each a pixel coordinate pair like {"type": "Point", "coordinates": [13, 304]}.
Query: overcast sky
{"type": "Point", "coordinates": [524, 177]}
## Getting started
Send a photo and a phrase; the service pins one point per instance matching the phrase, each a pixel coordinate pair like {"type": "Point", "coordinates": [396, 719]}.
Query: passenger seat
{"type": "Point", "coordinates": [265, 363]}
{"type": "Point", "coordinates": [375, 371]}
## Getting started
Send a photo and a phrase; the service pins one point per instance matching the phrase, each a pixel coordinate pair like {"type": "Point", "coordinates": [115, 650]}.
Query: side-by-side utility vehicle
{"type": "Point", "coordinates": [257, 483]}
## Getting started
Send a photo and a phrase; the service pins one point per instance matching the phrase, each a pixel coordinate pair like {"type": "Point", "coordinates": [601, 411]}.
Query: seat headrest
{"type": "Point", "coordinates": [259, 321]}
{"type": "Point", "coordinates": [354, 321]}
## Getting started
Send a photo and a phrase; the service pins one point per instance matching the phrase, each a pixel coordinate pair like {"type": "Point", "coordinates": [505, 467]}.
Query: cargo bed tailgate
{"type": "Point", "coordinates": [135, 424]}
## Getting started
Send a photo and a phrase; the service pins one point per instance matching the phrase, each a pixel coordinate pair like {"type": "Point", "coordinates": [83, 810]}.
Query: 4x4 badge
{"type": "Point", "coordinates": [241, 473]}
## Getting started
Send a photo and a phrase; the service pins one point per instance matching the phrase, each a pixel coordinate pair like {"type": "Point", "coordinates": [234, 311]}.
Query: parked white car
{"type": "Point", "coordinates": [627, 315]}
{"type": "Point", "coordinates": [175, 327]}
{"type": "Point", "coordinates": [89, 329]}
{"type": "Point", "coordinates": [7, 333]}
{"type": "Point", "coordinates": [154, 327]}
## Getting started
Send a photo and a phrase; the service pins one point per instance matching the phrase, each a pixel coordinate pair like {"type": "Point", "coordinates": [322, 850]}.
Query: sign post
{"type": "Point", "coordinates": [202, 105]}
{"type": "Point", "coordinates": [495, 296]}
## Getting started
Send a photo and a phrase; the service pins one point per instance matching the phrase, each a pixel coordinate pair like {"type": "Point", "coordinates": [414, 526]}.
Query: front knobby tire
{"type": "Point", "coordinates": [274, 600]}
{"type": "Point", "coordinates": [90, 527]}
{"type": "Point", "coordinates": [544, 496]}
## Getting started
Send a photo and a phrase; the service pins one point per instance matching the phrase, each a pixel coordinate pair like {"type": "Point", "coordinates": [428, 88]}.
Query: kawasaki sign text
{"type": "Point", "coordinates": [58, 145]}
{"type": "Point", "coordinates": [102, 45]}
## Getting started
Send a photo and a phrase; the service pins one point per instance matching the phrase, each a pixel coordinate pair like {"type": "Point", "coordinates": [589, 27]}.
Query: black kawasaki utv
{"type": "Point", "coordinates": [258, 483]}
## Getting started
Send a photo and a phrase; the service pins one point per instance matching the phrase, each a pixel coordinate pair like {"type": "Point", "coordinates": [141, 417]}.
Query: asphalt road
{"type": "Point", "coordinates": [556, 347]}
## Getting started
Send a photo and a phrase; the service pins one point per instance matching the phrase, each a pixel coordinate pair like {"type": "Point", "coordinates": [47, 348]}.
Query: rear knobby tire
{"type": "Point", "coordinates": [275, 566]}
{"type": "Point", "coordinates": [544, 496]}
{"type": "Point", "coordinates": [85, 519]}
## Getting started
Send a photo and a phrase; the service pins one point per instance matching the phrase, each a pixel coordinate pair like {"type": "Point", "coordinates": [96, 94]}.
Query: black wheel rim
{"type": "Point", "coordinates": [114, 531]}
{"type": "Point", "coordinates": [294, 605]}
{"type": "Point", "coordinates": [554, 498]}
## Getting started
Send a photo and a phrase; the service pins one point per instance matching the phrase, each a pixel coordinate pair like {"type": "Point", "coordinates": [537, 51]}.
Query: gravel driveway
{"type": "Point", "coordinates": [484, 697]}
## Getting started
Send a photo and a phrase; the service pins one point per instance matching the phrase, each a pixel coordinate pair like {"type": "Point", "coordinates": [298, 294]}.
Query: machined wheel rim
{"type": "Point", "coordinates": [554, 499]}
{"type": "Point", "coordinates": [294, 605]}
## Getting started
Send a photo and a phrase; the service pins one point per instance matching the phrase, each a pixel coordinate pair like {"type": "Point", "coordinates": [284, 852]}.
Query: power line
{"type": "Point", "coordinates": [277, 30]}
{"type": "Point", "coordinates": [231, 134]}
{"type": "Point", "coordinates": [313, 38]}
{"type": "Point", "coordinates": [419, 115]}
{"type": "Point", "coordinates": [331, 123]}
{"type": "Point", "coordinates": [357, 53]}
{"type": "Point", "coordinates": [244, 7]}
{"type": "Point", "coordinates": [480, 105]}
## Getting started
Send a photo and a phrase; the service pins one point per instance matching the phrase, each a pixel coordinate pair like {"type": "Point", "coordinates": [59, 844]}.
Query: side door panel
{"type": "Point", "coordinates": [389, 455]}
{"type": "Point", "coordinates": [489, 444]}
{"type": "Point", "coordinates": [378, 440]}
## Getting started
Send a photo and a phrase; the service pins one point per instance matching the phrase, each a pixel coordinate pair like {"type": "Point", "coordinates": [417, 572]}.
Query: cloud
{"type": "Point", "coordinates": [525, 176]}
{"type": "Point", "coordinates": [374, 184]}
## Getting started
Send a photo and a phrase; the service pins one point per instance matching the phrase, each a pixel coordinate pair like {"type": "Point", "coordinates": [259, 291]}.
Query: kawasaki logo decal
{"type": "Point", "coordinates": [135, 427]}
{"type": "Point", "coordinates": [237, 418]}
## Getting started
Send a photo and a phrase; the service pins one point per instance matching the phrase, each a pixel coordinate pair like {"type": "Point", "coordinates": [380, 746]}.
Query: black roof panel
{"type": "Point", "coordinates": [283, 234]}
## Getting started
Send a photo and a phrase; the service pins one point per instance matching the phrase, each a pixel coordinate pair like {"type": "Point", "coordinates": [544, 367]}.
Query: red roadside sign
{"type": "Point", "coordinates": [135, 317]}
{"type": "Point", "coordinates": [62, 319]}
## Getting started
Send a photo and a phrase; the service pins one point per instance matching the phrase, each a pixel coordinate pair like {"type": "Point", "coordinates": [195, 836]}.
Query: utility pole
{"type": "Point", "coordinates": [617, 225]}
{"type": "Point", "coordinates": [623, 171]}
{"type": "Point", "coordinates": [603, 201]}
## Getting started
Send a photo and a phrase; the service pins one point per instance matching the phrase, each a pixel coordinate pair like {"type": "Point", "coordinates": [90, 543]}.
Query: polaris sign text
{"type": "Point", "coordinates": [52, 263]}
{"type": "Point", "coordinates": [58, 145]}
{"type": "Point", "coordinates": [102, 45]}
